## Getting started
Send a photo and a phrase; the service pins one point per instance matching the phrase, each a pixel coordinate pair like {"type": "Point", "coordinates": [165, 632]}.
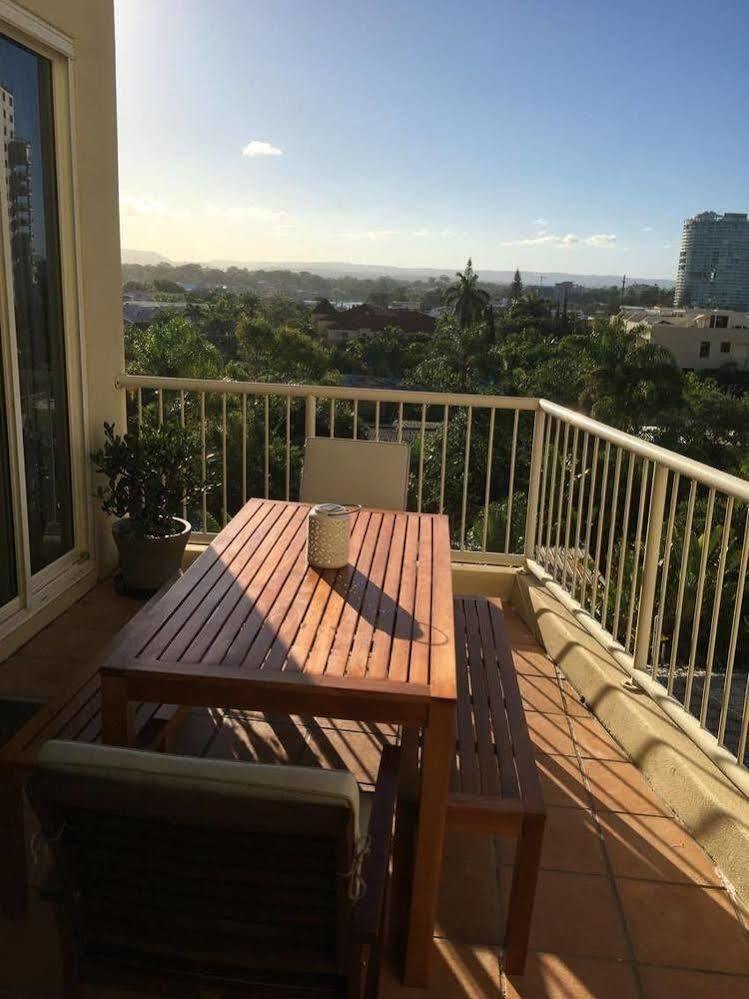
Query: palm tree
{"type": "Point", "coordinates": [630, 382]}
{"type": "Point", "coordinates": [464, 297]}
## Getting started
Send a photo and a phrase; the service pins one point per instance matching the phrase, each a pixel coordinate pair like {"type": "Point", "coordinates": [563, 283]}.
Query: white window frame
{"type": "Point", "coordinates": [53, 581]}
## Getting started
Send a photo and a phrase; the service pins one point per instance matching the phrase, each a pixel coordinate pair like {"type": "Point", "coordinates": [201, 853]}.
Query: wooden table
{"type": "Point", "coordinates": [251, 625]}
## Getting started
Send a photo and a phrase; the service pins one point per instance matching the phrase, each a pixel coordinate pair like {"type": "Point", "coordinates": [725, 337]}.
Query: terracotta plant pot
{"type": "Point", "coordinates": [146, 563]}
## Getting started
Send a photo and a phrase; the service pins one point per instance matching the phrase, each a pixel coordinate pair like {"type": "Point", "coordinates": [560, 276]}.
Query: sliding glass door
{"type": "Point", "coordinates": [8, 575]}
{"type": "Point", "coordinates": [34, 389]}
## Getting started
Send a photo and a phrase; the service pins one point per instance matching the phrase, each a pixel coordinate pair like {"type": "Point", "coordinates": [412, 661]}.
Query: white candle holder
{"type": "Point", "coordinates": [328, 530]}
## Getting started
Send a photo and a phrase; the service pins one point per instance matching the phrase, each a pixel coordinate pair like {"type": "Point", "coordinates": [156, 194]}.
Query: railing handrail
{"type": "Point", "coordinates": [723, 482]}
{"type": "Point", "coordinates": [228, 386]}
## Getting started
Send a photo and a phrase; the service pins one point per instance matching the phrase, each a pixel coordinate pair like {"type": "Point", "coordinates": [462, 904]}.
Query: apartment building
{"type": "Point", "coordinates": [699, 340]}
{"type": "Point", "coordinates": [7, 116]}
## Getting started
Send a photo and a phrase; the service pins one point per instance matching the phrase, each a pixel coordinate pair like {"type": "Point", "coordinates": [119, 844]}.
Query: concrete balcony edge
{"type": "Point", "coordinates": [712, 808]}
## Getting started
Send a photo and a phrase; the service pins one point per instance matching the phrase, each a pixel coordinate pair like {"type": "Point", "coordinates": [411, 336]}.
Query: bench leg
{"type": "Point", "coordinates": [14, 876]}
{"type": "Point", "coordinates": [403, 865]}
{"type": "Point", "coordinates": [404, 843]}
{"type": "Point", "coordinates": [523, 892]}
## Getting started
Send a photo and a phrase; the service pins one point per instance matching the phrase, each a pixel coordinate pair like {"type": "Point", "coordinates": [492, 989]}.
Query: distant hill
{"type": "Point", "coordinates": [144, 257]}
{"type": "Point", "coordinates": [331, 269]}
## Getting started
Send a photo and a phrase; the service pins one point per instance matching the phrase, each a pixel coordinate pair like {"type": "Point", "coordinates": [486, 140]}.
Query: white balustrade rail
{"type": "Point", "coordinates": [651, 546]}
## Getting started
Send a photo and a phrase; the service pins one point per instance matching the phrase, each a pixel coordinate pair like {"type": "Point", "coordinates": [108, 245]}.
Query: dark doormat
{"type": "Point", "coordinates": [14, 713]}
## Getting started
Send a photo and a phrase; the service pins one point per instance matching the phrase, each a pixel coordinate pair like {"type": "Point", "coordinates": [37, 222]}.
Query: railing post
{"type": "Point", "coordinates": [650, 567]}
{"type": "Point", "coordinates": [310, 416]}
{"type": "Point", "coordinates": [534, 485]}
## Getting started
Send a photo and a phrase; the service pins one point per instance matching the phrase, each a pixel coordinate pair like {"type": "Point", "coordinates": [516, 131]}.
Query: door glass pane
{"type": "Point", "coordinates": [8, 582]}
{"type": "Point", "coordinates": [26, 128]}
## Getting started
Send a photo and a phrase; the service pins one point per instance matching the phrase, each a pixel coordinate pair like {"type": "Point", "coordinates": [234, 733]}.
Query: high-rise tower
{"type": "Point", "coordinates": [16, 157]}
{"type": "Point", "coordinates": [713, 267]}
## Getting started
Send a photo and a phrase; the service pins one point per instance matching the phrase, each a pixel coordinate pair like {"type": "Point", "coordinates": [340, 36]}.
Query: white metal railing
{"type": "Point", "coordinates": [256, 432]}
{"type": "Point", "coordinates": [651, 546]}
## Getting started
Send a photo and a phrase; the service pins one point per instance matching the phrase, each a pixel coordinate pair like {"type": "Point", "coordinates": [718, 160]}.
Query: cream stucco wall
{"type": "Point", "coordinates": [684, 343]}
{"type": "Point", "coordinates": [90, 26]}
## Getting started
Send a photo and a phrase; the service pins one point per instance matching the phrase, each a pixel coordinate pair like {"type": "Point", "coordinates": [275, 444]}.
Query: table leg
{"type": "Point", "coordinates": [117, 712]}
{"type": "Point", "coordinates": [439, 748]}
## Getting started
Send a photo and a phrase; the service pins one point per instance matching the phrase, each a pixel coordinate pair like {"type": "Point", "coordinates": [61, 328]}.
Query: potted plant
{"type": "Point", "coordinates": [153, 475]}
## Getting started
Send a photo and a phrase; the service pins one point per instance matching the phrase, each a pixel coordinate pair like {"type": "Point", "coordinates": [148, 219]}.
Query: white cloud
{"type": "Point", "coordinates": [599, 239]}
{"type": "Point", "coordinates": [258, 147]}
{"type": "Point", "coordinates": [646, 228]}
{"type": "Point", "coordinates": [246, 211]}
{"type": "Point", "coordinates": [370, 234]}
{"type": "Point", "coordinates": [374, 234]}
{"type": "Point", "coordinates": [541, 223]}
{"type": "Point", "coordinates": [146, 205]}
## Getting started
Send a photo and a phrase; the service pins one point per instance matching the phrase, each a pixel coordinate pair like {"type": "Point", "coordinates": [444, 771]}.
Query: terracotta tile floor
{"type": "Point", "coordinates": [627, 905]}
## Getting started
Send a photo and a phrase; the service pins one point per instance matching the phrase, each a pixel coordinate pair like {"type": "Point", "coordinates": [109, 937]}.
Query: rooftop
{"type": "Point", "coordinates": [369, 317]}
{"type": "Point", "coordinates": [695, 318]}
{"type": "Point", "coordinates": [628, 904]}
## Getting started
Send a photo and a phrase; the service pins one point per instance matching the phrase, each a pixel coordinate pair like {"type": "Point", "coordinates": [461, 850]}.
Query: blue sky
{"type": "Point", "coordinates": [567, 135]}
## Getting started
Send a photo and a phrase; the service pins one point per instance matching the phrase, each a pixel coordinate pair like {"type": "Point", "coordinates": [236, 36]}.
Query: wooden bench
{"type": "Point", "coordinates": [494, 786]}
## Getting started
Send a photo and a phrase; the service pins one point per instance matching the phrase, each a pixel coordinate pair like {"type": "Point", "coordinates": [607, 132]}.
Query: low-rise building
{"type": "Point", "coordinates": [699, 339]}
{"type": "Point", "coordinates": [361, 320]}
{"type": "Point", "coordinates": [144, 313]}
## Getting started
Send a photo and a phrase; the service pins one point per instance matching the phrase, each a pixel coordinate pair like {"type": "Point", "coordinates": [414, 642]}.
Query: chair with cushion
{"type": "Point", "coordinates": [370, 473]}
{"type": "Point", "coordinates": [197, 874]}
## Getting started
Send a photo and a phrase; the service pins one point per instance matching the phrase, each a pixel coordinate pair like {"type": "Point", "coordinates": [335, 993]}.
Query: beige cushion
{"type": "Point", "coordinates": [267, 781]}
{"type": "Point", "coordinates": [371, 473]}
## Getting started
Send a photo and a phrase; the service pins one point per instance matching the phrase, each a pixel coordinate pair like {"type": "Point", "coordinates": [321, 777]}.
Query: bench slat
{"type": "Point", "coordinates": [465, 767]}
{"type": "Point", "coordinates": [485, 748]}
{"type": "Point", "coordinates": [495, 679]}
{"type": "Point", "coordinates": [530, 785]}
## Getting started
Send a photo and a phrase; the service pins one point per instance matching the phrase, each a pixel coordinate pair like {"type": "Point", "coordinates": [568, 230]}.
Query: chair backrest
{"type": "Point", "coordinates": [372, 473]}
{"type": "Point", "coordinates": [199, 863]}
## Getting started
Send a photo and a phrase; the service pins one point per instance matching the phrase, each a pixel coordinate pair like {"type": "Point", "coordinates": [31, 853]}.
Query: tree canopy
{"type": "Point", "coordinates": [600, 368]}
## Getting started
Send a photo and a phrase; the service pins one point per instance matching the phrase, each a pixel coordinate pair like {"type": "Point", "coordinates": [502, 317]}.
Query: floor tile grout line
{"type": "Point", "coordinates": [691, 968]}
{"type": "Point", "coordinates": [626, 962]}
{"type": "Point", "coordinates": [630, 877]}
{"type": "Point", "coordinates": [629, 811]}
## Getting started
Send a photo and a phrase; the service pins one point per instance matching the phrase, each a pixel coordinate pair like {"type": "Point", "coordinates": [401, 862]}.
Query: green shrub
{"type": "Point", "coordinates": [152, 475]}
